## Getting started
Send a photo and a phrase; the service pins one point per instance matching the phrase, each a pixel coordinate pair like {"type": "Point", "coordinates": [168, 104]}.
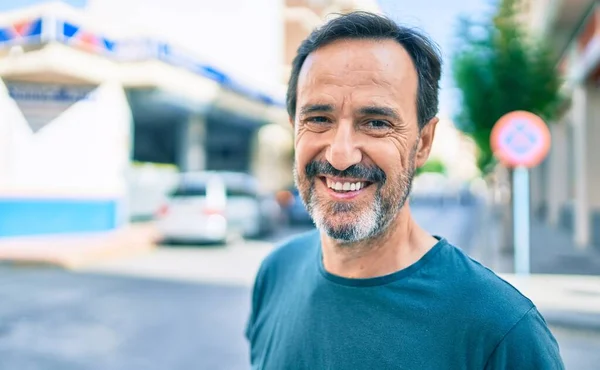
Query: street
{"type": "Point", "coordinates": [55, 320]}
{"type": "Point", "coordinates": [150, 164]}
{"type": "Point", "coordinates": [181, 307]}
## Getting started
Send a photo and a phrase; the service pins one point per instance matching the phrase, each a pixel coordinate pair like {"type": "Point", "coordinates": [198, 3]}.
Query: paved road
{"type": "Point", "coordinates": [580, 349]}
{"type": "Point", "coordinates": [179, 308]}
{"type": "Point", "coordinates": [55, 320]}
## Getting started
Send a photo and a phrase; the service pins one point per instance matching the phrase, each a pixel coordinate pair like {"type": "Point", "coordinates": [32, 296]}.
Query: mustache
{"type": "Point", "coordinates": [359, 171]}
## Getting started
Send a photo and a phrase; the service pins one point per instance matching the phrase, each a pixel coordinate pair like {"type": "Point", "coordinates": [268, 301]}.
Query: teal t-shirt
{"type": "Point", "coordinates": [446, 311]}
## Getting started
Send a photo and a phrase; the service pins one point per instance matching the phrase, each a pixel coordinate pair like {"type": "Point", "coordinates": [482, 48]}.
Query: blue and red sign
{"type": "Point", "coordinates": [22, 32]}
{"type": "Point", "coordinates": [520, 139]}
{"type": "Point", "coordinates": [80, 37]}
{"type": "Point", "coordinates": [29, 31]}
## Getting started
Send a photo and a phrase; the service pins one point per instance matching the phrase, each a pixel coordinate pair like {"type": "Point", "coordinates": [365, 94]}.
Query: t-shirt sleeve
{"type": "Point", "coordinates": [528, 345]}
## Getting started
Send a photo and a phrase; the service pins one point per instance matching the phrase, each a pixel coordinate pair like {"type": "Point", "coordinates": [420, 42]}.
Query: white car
{"type": "Point", "coordinates": [210, 207]}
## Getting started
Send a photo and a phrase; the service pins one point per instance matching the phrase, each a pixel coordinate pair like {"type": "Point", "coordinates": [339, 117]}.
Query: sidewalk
{"type": "Point", "coordinates": [80, 250]}
{"type": "Point", "coordinates": [553, 251]}
{"type": "Point", "coordinates": [565, 280]}
{"type": "Point", "coordinates": [571, 301]}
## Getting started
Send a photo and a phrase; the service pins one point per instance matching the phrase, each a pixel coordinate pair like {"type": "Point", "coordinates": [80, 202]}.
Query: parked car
{"type": "Point", "coordinates": [271, 214]}
{"type": "Point", "coordinates": [210, 206]}
{"type": "Point", "coordinates": [294, 209]}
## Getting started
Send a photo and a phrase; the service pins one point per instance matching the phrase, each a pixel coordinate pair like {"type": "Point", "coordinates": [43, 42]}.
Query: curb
{"type": "Point", "coordinates": [76, 252]}
{"type": "Point", "coordinates": [573, 320]}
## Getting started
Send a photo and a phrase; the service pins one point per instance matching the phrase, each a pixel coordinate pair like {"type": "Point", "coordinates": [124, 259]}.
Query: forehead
{"type": "Point", "coordinates": [359, 70]}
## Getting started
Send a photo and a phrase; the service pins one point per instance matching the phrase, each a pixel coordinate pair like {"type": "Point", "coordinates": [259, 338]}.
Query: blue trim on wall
{"type": "Point", "coordinates": [69, 29]}
{"type": "Point", "coordinates": [140, 49]}
{"type": "Point", "coordinates": [26, 216]}
{"type": "Point", "coordinates": [7, 5]}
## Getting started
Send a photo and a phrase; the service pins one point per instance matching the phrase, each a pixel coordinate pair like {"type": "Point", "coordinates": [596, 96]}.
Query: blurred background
{"type": "Point", "coordinates": [146, 167]}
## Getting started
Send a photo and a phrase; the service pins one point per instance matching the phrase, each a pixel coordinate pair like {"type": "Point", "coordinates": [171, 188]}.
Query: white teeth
{"type": "Point", "coordinates": [345, 186]}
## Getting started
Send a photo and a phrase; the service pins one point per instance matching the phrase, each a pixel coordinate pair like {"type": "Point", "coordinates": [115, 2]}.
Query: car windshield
{"type": "Point", "coordinates": [196, 190]}
{"type": "Point", "coordinates": [236, 185]}
{"type": "Point", "coordinates": [240, 192]}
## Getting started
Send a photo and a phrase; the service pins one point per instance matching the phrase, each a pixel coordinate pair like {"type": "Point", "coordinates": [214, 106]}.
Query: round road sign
{"type": "Point", "coordinates": [520, 138]}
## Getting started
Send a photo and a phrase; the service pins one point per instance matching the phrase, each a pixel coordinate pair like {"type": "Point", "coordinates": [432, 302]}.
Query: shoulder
{"type": "Point", "coordinates": [288, 257]}
{"type": "Point", "coordinates": [487, 299]}
{"type": "Point", "coordinates": [482, 284]}
{"type": "Point", "coordinates": [496, 312]}
{"type": "Point", "coordinates": [529, 344]}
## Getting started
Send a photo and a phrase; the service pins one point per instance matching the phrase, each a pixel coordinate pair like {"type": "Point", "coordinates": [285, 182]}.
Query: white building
{"type": "Point", "coordinates": [457, 151]}
{"type": "Point", "coordinates": [84, 93]}
{"type": "Point", "coordinates": [566, 187]}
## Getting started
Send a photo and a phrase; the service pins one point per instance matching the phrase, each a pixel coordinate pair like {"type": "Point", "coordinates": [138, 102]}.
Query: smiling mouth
{"type": "Point", "coordinates": [340, 186]}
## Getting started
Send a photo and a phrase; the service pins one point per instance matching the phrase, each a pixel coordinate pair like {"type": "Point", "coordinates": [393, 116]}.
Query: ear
{"type": "Point", "coordinates": [425, 142]}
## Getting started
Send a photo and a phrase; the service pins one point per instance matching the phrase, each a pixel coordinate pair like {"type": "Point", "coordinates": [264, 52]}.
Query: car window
{"type": "Point", "coordinates": [241, 186]}
{"type": "Point", "coordinates": [189, 191]}
{"type": "Point", "coordinates": [236, 185]}
{"type": "Point", "coordinates": [235, 191]}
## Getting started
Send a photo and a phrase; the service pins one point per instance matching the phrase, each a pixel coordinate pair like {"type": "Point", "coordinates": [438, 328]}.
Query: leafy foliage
{"type": "Point", "coordinates": [499, 68]}
{"type": "Point", "coordinates": [432, 165]}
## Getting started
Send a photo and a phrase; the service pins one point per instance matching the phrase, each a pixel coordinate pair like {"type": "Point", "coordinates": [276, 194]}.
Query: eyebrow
{"type": "Point", "coordinates": [314, 108]}
{"type": "Point", "coordinates": [369, 110]}
{"type": "Point", "coordinates": [380, 111]}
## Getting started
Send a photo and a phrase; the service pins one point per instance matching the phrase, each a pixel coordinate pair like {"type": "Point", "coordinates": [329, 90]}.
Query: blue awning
{"type": "Point", "coordinates": [30, 31]}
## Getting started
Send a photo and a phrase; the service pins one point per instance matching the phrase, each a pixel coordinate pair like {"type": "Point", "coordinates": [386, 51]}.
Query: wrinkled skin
{"type": "Point", "coordinates": [357, 119]}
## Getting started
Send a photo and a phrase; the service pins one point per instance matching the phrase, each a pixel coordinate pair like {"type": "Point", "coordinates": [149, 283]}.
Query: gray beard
{"type": "Point", "coordinates": [366, 224]}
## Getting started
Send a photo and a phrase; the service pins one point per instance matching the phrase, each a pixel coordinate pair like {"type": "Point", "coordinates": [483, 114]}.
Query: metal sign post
{"type": "Point", "coordinates": [520, 140]}
{"type": "Point", "coordinates": [521, 219]}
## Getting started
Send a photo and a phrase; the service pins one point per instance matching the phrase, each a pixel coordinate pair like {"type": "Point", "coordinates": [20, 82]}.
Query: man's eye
{"type": "Point", "coordinates": [318, 119]}
{"type": "Point", "coordinates": [376, 123]}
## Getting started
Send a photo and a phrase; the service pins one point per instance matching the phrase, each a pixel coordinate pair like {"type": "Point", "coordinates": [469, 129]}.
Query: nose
{"type": "Point", "coordinates": [343, 151]}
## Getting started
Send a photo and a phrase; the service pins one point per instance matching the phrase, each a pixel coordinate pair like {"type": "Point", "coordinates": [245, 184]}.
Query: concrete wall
{"type": "Point", "coordinates": [9, 114]}
{"type": "Point", "coordinates": [586, 115]}
{"type": "Point", "coordinates": [593, 145]}
{"type": "Point", "coordinates": [557, 175]}
{"type": "Point", "coordinates": [538, 190]}
{"type": "Point", "coordinates": [68, 176]}
{"type": "Point", "coordinates": [593, 162]}
{"type": "Point", "coordinates": [223, 32]}
{"type": "Point", "coordinates": [192, 148]}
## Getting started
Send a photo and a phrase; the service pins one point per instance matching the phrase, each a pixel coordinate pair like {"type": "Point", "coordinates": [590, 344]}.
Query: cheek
{"type": "Point", "coordinates": [307, 148]}
{"type": "Point", "coordinates": [392, 155]}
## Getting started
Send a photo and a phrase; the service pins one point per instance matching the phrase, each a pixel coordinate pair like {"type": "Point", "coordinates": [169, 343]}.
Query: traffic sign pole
{"type": "Point", "coordinates": [521, 219]}
{"type": "Point", "coordinates": [520, 140]}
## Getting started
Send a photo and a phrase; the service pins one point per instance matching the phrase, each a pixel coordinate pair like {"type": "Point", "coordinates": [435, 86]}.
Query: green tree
{"type": "Point", "coordinates": [499, 68]}
{"type": "Point", "coordinates": [432, 165]}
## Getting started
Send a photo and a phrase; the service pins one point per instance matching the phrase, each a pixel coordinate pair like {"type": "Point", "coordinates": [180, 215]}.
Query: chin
{"type": "Point", "coordinates": [349, 227]}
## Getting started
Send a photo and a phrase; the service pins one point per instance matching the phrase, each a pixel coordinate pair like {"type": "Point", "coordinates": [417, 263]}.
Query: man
{"type": "Point", "coordinates": [371, 289]}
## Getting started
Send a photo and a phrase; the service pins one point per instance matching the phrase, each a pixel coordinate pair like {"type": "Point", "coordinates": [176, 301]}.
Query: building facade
{"type": "Point", "coordinates": [566, 187]}
{"type": "Point", "coordinates": [301, 17]}
{"type": "Point", "coordinates": [82, 99]}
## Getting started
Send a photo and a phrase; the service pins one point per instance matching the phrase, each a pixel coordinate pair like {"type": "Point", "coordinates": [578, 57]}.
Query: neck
{"type": "Point", "coordinates": [401, 245]}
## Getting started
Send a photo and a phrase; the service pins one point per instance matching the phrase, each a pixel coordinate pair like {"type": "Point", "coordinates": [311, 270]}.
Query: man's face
{"type": "Point", "coordinates": [357, 136]}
